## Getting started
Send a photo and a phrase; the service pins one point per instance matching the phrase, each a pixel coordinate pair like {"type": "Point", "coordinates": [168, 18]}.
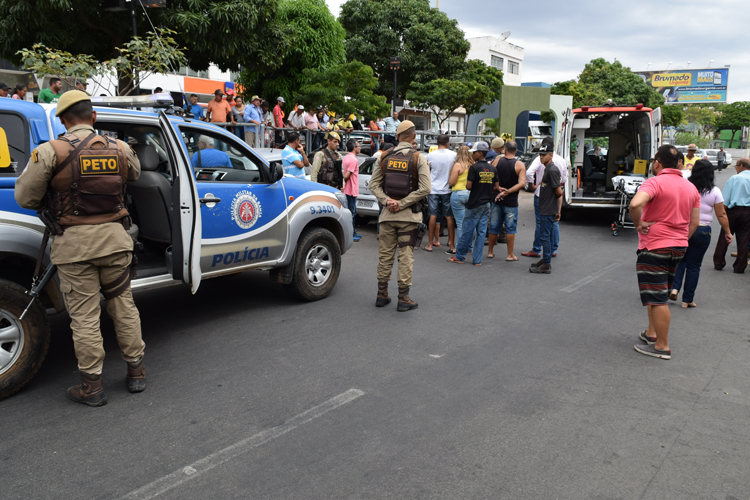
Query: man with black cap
{"type": "Point", "coordinates": [400, 181]}
{"type": "Point", "coordinates": [218, 109]}
{"type": "Point", "coordinates": [482, 183]}
{"type": "Point", "coordinates": [3, 89]}
{"type": "Point", "coordinates": [72, 180]}
{"type": "Point", "coordinates": [550, 200]}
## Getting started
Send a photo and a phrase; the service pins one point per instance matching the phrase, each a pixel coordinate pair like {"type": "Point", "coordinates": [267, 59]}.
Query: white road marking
{"type": "Point", "coordinates": [588, 279]}
{"type": "Point", "coordinates": [437, 355]}
{"type": "Point", "coordinates": [203, 465]}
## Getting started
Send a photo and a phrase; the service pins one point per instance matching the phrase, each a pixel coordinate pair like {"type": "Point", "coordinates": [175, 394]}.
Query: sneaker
{"type": "Point", "coordinates": [537, 264]}
{"type": "Point", "coordinates": [530, 253]}
{"type": "Point", "coordinates": [357, 237]}
{"type": "Point", "coordinates": [541, 269]}
{"type": "Point", "coordinates": [650, 350]}
{"type": "Point", "coordinates": [647, 340]}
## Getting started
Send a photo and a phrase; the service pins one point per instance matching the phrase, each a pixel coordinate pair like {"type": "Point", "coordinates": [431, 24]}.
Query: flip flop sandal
{"type": "Point", "coordinates": [491, 256]}
{"type": "Point", "coordinates": [456, 261]}
{"type": "Point", "coordinates": [673, 294]}
{"type": "Point", "coordinates": [511, 259]}
{"type": "Point", "coordinates": [686, 305]}
{"type": "Point", "coordinates": [450, 252]}
{"type": "Point", "coordinates": [427, 249]}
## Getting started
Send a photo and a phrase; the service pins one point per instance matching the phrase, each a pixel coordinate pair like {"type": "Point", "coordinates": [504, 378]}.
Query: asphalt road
{"type": "Point", "coordinates": [500, 385]}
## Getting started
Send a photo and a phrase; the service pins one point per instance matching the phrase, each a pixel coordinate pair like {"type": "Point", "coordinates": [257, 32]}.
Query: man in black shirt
{"type": "Point", "coordinates": [511, 173]}
{"type": "Point", "coordinates": [550, 201]}
{"type": "Point", "coordinates": [481, 182]}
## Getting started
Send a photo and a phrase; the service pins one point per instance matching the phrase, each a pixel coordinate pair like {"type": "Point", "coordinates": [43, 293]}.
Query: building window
{"type": "Point", "coordinates": [496, 62]}
{"type": "Point", "coordinates": [513, 68]}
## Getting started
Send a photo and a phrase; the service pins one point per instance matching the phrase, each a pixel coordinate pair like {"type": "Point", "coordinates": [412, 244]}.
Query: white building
{"type": "Point", "coordinates": [500, 54]}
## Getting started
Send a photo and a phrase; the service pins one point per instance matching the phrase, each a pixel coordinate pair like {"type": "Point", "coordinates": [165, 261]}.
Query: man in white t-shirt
{"type": "Point", "coordinates": [534, 175]}
{"type": "Point", "coordinates": [297, 118]}
{"type": "Point", "coordinates": [439, 200]}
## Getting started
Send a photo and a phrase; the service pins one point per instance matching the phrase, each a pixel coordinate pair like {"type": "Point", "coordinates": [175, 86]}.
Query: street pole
{"type": "Point", "coordinates": [136, 83]}
{"type": "Point", "coordinates": [395, 65]}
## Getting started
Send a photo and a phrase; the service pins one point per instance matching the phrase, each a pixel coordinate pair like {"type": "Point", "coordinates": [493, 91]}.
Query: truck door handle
{"type": "Point", "coordinates": [210, 200]}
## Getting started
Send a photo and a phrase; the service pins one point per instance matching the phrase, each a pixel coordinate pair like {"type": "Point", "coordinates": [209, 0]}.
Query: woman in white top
{"type": "Point", "coordinates": [711, 202]}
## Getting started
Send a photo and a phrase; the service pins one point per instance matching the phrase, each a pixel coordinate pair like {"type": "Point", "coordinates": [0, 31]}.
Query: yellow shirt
{"type": "Point", "coordinates": [689, 162]}
{"type": "Point", "coordinates": [461, 181]}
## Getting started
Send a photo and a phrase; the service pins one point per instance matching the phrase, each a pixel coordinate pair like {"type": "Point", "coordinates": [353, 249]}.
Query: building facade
{"type": "Point", "coordinates": [499, 54]}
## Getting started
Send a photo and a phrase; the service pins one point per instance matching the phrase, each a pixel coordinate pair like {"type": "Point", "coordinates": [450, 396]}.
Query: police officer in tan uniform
{"type": "Point", "coordinates": [398, 221]}
{"type": "Point", "coordinates": [327, 158]}
{"type": "Point", "coordinates": [94, 253]}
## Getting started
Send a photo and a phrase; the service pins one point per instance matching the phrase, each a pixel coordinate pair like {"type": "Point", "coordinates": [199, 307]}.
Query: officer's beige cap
{"type": "Point", "coordinates": [334, 135]}
{"type": "Point", "coordinates": [405, 125]}
{"type": "Point", "coordinates": [497, 143]}
{"type": "Point", "coordinates": [69, 98]}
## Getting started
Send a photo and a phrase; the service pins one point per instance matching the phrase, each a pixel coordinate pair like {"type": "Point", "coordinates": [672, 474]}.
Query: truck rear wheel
{"type": "Point", "coordinates": [23, 344]}
{"type": "Point", "coordinates": [317, 263]}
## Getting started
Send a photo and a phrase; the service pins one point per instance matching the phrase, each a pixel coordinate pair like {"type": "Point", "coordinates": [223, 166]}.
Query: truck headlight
{"type": "Point", "coordinates": [342, 199]}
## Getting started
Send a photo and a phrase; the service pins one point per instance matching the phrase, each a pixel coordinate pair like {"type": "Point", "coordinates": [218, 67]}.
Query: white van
{"type": "Point", "coordinates": [628, 137]}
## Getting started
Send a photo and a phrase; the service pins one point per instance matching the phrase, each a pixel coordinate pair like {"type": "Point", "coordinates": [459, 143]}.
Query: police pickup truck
{"type": "Point", "coordinates": [197, 214]}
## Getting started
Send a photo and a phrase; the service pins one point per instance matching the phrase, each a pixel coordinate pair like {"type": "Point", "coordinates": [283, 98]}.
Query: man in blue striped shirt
{"type": "Point", "coordinates": [737, 200]}
{"type": "Point", "coordinates": [293, 157]}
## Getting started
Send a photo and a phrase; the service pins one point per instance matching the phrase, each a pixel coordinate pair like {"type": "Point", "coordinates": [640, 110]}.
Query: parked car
{"type": "Point", "coordinates": [192, 222]}
{"type": "Point", "coordinates": [711, 156]}
{"type": "Point", "coordinates": [365, 141]}
{"type": "Point", "coordinates": [367, 204]}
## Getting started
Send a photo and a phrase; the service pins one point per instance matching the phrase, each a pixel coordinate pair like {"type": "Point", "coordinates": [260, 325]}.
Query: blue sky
{"type": "Point", "coordinates": [559, 38]}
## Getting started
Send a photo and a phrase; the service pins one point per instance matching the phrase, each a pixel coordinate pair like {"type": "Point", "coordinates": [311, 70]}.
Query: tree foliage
{"type": "Point", "coordinates": [690, 138]}
{"type": "Point", "coordinates": [317, 43]}
{"type": "Point", "coordinates": [345, 88]}
{"type": "Point", "coordinates": [672, 115]}
{"type": "Point", "coordinates": [137, 58]}
{"type": "Point", "coordinates": [703, 116]}
{"type": "Point", "coordinates": [733, 117]}
{"type": "Point", "coordinates": [472, 87]}
{"type": "Point", "coordinates": [601, 80]}
{"type": "Point", "coordinates": [429, 43]}
{"type": "Point", "coordinates": [229, 34]}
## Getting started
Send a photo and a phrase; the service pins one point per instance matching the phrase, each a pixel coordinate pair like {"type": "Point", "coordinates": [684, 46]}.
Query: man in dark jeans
{"type": "Point", "coordinates": [550, 202]}
{"type": "Point", "coordinates": [737, 200]}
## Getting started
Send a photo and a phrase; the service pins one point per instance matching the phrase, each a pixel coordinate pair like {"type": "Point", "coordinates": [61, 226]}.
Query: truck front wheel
{"type": "Point", "coordinates": [23, 343]}
{"type": "Point", "coordinates": [317, 263]}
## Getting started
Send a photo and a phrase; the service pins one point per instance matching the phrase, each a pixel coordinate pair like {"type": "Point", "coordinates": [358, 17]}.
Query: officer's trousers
{"type": "Point", "coordinates": [80, 284]}
{"type": "Point", "coordinates": [387, 252]}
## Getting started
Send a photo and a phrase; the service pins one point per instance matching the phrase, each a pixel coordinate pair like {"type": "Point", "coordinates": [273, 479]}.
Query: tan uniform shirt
{"type": "Point", "coordinates": [78, 243]}
{"type": "Point", "coordinates": [318, 160]}
{"type": "Point", "coordinates": [405, 213]}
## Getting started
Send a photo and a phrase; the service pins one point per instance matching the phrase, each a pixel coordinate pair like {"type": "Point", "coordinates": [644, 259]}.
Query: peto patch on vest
{"type": "Point", "coordinates": [99, 164]}
{"type": "Point", "coordinates": [398, 165]}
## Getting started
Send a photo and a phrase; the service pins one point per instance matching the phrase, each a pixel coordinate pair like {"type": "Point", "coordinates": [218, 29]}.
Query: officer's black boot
{"type": "Point", "coordinates": [90, 392]}
{"type": "Point", "coordinates": [383, 298]}
{"type": "Point", "coordinates": [404, 302]}
{"type": "Point", "coordinates": [136, 378]}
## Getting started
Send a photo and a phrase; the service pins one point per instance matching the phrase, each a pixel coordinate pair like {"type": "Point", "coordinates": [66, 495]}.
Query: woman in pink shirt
{"type": "Point", "coordinates": [711, 201]}
{"type": "Point", "coordinates": [350, 165]}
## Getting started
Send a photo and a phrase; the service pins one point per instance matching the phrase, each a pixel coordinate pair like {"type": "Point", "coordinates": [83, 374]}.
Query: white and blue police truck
{"type": "Point", "coordinates": [205, 205]}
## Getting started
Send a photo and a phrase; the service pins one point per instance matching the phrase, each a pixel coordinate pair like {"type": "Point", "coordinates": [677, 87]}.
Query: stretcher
{"type": "Point", "coordinates": [626, 187]}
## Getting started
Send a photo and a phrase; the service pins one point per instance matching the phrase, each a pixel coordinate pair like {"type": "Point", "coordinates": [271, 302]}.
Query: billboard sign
{"type": "Point", "coordinates": [689, 85]}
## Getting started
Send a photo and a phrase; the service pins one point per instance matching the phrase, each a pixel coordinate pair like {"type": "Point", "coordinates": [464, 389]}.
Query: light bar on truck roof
{"type": "Point", "coordinates": [162, 100]}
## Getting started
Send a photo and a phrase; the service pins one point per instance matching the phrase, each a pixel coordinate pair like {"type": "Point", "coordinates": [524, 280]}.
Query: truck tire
{"type": "Point", "coordinates": [23, 344]}
{"type": "Point", "coordinates": [317, 263]}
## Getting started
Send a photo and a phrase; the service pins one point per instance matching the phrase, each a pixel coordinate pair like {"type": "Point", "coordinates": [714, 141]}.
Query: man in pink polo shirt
{"type": "Point", "coordinates": [350, 166]}
{"type": "Point", "coordinates": [666, 213]}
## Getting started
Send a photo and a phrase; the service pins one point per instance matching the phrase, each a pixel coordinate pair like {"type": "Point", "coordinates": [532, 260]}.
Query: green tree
{"type": "Point", "coordinates": [703, 116]}
{"type": "Point", "coordinates": [429, 43]}
{"type": "Point", "coordinates": [472, 87]}
{"type": "Point", "coordinates": [229, 34]}
{"type": "Point", "coordinates": [137, 58]}
{"type": "Point", "coordinates": [317, 44]}
{"type": "Point", "coordinates": [690, 138]}
{"type": "Point", "coordinates": [733, 117]}
{"type": "Point", "coordinates": [671, 115]}
{"type": "Point", "coordinates": [601, 80]}
{"type": "Point", "coordinates": [344, 88]}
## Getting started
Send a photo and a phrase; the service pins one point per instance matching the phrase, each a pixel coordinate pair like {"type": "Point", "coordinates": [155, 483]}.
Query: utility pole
{"type": "Point", "coordinates": [395, 65]}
